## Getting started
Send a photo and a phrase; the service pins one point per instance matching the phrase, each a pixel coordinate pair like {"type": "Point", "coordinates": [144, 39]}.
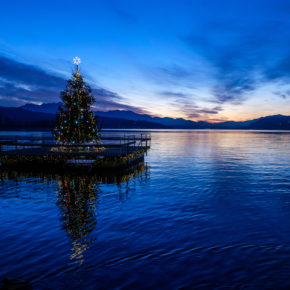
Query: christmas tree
{"type": "Point", "coordinates": [75, 122]}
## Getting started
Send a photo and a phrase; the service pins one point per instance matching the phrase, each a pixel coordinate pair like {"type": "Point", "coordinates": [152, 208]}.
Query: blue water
{"type": "Point", "coordinates": [210, 209]}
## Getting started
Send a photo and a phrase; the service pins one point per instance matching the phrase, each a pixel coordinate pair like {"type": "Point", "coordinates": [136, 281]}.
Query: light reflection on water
{"type": "Point", "coordinates": [212, 209]}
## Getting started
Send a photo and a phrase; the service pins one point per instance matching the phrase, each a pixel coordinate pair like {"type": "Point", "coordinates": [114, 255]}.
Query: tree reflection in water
{"type": "Point", "coordinates": [77, 197]}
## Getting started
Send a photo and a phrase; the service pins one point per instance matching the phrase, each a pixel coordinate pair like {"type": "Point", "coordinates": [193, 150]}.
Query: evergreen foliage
{"type": "Point", "coordinates": [76, 123]}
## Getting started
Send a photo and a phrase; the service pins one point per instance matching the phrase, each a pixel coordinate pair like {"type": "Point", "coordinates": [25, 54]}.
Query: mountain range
{"type": "Point", "coordinates": [36, 117]}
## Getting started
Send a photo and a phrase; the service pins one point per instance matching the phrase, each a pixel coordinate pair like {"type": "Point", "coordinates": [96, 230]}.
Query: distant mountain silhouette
{"type": "Point", "coordinates": [32, 116]}
{"type": "Point", "coordinates": [20, 119]}
{"type": "Point", "coordinates": [166, 121]}
{"type": "Point", "coordinates": [50, 108]}
{"type": "Point", "coordinates": [276, 122]}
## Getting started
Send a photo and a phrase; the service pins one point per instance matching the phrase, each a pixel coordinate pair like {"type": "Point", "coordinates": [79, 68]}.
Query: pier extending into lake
{"type": "Point", "coordinates": [111, 153]}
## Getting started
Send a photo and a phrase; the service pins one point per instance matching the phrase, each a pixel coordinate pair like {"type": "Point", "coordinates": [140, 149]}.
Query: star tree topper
{"type": "Point", "coordinates": [77, 61]}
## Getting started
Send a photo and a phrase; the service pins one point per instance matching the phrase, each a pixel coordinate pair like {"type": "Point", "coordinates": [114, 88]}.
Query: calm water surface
{"type": "Point", "coordinates": [210, 209]}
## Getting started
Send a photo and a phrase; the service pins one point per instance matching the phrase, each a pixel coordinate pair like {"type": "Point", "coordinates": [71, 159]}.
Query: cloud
{"type": "Point", "coordinates": [203, 112]}
{"type": "Point", "coordinates": [16, 72]}
{"type": "Point", "coordinates": [279, 71]}
{"type": "Point", "coordinates": [232, 90]}
{"type": "Point", "coordinates": [214, 111]}
{"type": "Point", "coordinates": [106, 101]}
{"type": "Point", "coordinates": [232, 68]}
{"type": "Point", "coordinates": [24, 83]}
{"type": "Point", "coordinates": [187, 107]}
{"type": "Point", "coordinates": [176, 95]}
{"type": "Point", "coordinates": [174, 75]}
{"type": "Point", "coordinates": [234, 58]}
{"type": "Point", "coordinates": [243, 55]}
{"type": "Point", "coordinates": [236, 52]}
{"type": "Point", "coordinates": [21, 83]}
{"type": "Point", "coordinates": [174, 72]}
{"type": "Point", "coordinates": [184, 105]}
{"type": "Point", "coordinates": [283, 94]}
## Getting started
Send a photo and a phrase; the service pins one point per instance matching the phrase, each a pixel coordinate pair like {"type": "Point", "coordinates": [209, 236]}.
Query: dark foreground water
{"type": "Point", "coordinates": [212, 209]}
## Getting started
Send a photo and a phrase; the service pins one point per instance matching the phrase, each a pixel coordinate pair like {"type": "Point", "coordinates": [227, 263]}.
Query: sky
{"type": "Point", "coordinates": [206, 60]}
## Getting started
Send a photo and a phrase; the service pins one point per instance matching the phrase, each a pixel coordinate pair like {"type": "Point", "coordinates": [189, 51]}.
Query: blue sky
{"type": "Point", "coordinates": [200, 60]}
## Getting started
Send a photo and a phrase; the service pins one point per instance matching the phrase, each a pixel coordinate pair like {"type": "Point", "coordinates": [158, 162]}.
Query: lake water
{"type": "Point", "coordinates": [209, 209]}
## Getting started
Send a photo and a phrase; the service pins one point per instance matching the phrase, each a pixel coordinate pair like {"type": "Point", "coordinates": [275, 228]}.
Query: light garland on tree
{"type": "Point", "coordinates": [76, 124]}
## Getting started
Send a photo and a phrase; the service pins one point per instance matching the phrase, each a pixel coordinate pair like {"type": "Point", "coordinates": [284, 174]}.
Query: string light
{"type": "Point", "coordinates": [75, 122]}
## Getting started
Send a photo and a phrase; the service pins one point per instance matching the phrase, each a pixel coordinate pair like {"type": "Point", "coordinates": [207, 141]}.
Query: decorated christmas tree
{"type": "Point", "coordinates": [75, 122]}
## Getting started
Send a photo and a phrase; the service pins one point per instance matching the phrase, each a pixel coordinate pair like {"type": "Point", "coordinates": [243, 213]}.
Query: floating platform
{"type": "Point", "coordinates": [112, 153]}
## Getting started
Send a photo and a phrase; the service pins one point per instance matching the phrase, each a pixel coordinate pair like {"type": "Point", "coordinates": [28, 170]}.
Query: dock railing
{"type": "Point", "coordinates": [108, 145]}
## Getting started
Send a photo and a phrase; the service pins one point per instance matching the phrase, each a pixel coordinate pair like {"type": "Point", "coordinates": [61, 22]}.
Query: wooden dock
{"type": "Point", "coordinates": [112, 152]}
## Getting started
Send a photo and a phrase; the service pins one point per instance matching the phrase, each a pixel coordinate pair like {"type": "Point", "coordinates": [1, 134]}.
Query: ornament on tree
{"type": "Point", "coordinates": [75, 122]}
